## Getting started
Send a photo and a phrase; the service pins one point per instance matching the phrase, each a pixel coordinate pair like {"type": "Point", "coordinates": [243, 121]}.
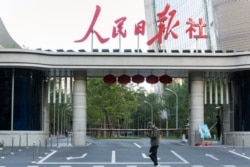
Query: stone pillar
{"type": "Point", "coordinates": [196, 105]}
{"type": "Point", "coordinates": [79, 108]}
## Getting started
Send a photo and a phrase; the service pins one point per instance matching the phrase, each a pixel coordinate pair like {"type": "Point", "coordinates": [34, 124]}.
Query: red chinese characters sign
{"type": "Point", "coordinates": [166, 25]}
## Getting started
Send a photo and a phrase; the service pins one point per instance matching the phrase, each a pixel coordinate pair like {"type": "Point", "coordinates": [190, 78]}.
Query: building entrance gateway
{"type": "Point", "coordinates": [34, 70]}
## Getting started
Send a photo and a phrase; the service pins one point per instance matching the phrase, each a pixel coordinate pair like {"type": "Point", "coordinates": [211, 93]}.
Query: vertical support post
{"type": "Point", "coordinates": [176, 107]}
{"type": "Point", "coordinates": [216, 91]}
{"type": "Point", "coordinates": [20, 143]}
{"type": "Point", "coordinates": [210, 91]}
{"type": "Point", "coordinates": [51, 143]}
{"type": "Point", "coordinates": [151, 106]}
{"type": "Point", "coordinates": [233, 142]}
{"type": "Point", "coordinates": [46, 145]}
{"type": "Point", "coordinates": [54, 103]}
{"type": "Point", "coordinates": [39, 147]}
{"type": "Point", "coordinates": [33, 159]}
{"type": "Point", "coordinates": [12, 146]}
{"type": "Point", "coordinates": [27, 140]}
{"type": "Point", "coordinates": [243, 145]}
{"type": "Point", "coordinates": [57, 140]}
{"type": "Point", "coordinates": [79, 108]}
{"type": "Point", "coordinates": [196, 97]}
{"type": "Point", "coordinates": [92, 41]}
{"type": "Point", "coordinates": [12, 99]}
{"type": "Point", "coordinates": [2, 148]}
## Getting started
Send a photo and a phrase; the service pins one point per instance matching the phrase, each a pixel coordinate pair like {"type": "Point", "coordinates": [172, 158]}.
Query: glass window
{"type": "Point", "coordinates": [5, 99]}
{"type": "Point", "coordinates": [27, 100]}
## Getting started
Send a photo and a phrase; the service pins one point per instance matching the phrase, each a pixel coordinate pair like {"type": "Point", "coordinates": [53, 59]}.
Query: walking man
{"type": "Point", "coordinates": [154, 141]}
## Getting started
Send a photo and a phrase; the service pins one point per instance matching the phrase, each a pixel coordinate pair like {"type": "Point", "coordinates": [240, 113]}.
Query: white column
{"type": "Point", "coordinates": [205, 91]}
{"type": "Point", "coordinates": [79, 109]}
{"type": "Point", "coordinates": [221, 92]}
{"type": "Point", "coordinates": [216, 90]}
{"type": "Point", "coordinates": [196, 105]}
{"type": "Point", "coordinates": [210, 91]}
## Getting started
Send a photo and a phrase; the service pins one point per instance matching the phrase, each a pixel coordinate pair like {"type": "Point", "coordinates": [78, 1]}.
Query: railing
{"type": "Point", "coordinates": [97, 132]}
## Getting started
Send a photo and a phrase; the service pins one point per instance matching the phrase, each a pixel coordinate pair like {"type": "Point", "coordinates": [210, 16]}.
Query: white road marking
{"type": "Point", "coordinates": [113, 157]}
{"type": "Point", "coordinates": [49, 155]}
{"type": "Point", "coordinates": [131, 166]}
{"type": "Point", "coordinates": [65, 166]}
{"type": "Point", "coordinates": [180, 157]}
{"type": "Point", "coordinates": [147, 157]}
{"type": "Point", "coordinates": [211, 156]}
{"type": "Point", "coordinates": [137, 145]}
{"type": "Point", "coordinates": [109, 163]}
{"type": "Point", "coordinates": [229, 166]}
{"type": "Point", "coordinates": [69, 158]}
{"type": "Point", "coordinates": [144, 155]}
{"type": "Point", "coordinates": [98, 166]}
{"type": "Point", "coordinates": [239, 154]}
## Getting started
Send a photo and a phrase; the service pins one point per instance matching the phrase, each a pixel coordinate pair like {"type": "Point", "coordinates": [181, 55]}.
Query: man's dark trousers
{"type": "Point", "coordinates": [153, 155]}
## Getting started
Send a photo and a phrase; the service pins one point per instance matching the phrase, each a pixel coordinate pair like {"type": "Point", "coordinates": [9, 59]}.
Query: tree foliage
{"type": "Point", "coordinates": [109, 105]}
{"type": "Point", "coordinates": [181, 89]}
{"type": "Point", "coordinates": [118, 106]}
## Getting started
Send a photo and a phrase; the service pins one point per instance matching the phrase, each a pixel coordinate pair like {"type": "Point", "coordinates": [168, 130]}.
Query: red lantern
{"type": "Point", "coordinates": [124, 79]}
{"type": "Point", "coordinates": [152, 79]}
{"type": "Point", "coordinates": [109, 79]}
{"type": "Point", "coordinates": [165, 79]}
{"type": "Point", "coordinates": [138, 78]}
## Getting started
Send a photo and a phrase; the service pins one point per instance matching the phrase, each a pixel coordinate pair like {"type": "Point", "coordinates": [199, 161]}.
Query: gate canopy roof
{"type": "Point", "coordinates": [98, 64]}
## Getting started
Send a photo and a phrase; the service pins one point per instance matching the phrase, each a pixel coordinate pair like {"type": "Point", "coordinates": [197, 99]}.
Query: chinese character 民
{"type": "Point", "coordinates": [119, 29]}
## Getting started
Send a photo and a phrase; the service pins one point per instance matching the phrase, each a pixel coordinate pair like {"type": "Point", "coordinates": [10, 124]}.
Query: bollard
{"type": "Point", "coordinates": [67, 139]}
{"type": "Point", "coordinates": [2, 148]}
{"type": "Point", "coordinates": [33, 159]}
{"type": "Point", "coordinates": [71, 138]}
{"type": "Point", "coordinates": [39, 149]}
{"type": "Point", "coordinates": [50, 143]}
{"type": "Point", "coordinates": [57, 142]}
{"type": "Point", "coordinates": [46, 145]}
{"type": "Point", "coordinates": [12, 146]}
{"type": "Point", "coordinates": [27, 141]}
{"type": "Point", "coordinates": [243, 146]}
{"type": "Point", "coordinates": [234, 142]}
{"type": "Point", "coordinates": [20, 141]}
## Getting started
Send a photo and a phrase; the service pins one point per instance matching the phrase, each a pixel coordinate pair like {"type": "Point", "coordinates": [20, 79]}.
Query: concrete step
{"type": "Point", "coordinates": [204, 143]}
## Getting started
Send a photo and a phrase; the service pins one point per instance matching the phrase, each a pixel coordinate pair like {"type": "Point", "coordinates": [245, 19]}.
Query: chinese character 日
{"type": "Point", "coordinates": [140, 28]}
